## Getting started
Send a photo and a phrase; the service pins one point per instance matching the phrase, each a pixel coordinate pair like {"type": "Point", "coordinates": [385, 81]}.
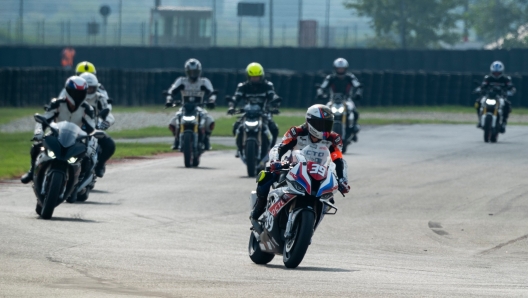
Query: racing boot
{"type": "Point", "coordinates": [206, 142]}
{"type": "Point", "coordinates": [100, 169]}
{"type": "Point", "coordinates": [28, 177]}
{"type": "Point", "coordinates": [258, 209]}
{"type": "Point", "coordinates": [503, 126]}
{"type": "Point", "coordinates": [176, 143]}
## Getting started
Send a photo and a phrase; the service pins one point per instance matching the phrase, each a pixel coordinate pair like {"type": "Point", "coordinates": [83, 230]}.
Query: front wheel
{"type": "Point", "coordinates": [187, 146]}
{"type": "Point", "coordinates": [256, 254]}
{"type": "Point", "coordinates": [52, 195]}
{"type": "Point", "coordinates": [296, 247]}
{"type": "Point", "coordinates": [251, 158]}
{"type": "Point", "coordinates": [488, 130]}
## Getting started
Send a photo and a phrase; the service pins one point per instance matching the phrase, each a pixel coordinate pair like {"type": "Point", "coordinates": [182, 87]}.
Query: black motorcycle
{"type": "Point", "coordinates": [191, 124]}
{"type": "Point", "coordinates": [58, 166]}
{"type": "Point", "coordinates": [254, 136]}
{"type": "Point", "coordinates": [491, 109]}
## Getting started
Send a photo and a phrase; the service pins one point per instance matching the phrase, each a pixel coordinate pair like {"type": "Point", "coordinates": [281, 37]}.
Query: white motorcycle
{"type": "Point", "coordinates": [296, 206]}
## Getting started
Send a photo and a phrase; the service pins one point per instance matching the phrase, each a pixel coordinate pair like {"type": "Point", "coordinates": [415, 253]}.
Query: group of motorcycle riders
{"type": "Point", "coordinates": [83, 98]}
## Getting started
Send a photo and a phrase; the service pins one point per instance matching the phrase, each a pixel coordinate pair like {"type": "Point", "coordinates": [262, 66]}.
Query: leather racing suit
{"type": "Point", "coordinates": [196, 91]}
{"type": "Point", "coordinates": [297, 137]}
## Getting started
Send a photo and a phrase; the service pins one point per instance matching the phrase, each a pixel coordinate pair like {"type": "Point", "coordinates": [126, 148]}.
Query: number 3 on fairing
{"type": "Point", "coordinates": [317, 169]}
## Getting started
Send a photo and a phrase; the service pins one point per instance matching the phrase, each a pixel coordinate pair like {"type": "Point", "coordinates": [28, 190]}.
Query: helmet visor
{"type": "Point", "coordinates": [77, 95]}
{"type": "Point", "coordinates": [340, 70]}
{"type": "Point", "coordinates": [322, 125]}
{"type": "Point", "coordinates": [91, 89]}
{"type": "Point", "coordinates": [193, 73]}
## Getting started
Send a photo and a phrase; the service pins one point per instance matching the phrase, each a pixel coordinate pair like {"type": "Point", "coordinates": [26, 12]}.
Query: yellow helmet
{"type": "Point", "coordinates": [255, 70]}
{"type": "Point", "coordinates": [85, 66]}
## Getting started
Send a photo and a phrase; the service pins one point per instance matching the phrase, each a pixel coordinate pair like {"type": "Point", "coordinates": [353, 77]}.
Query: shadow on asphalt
{"type": "Point", "coordinates": [97, 203]}
{"type": "Point", "coordinates": [70, 219]}
{"type": "Point", "coordinates": [99, 191]}
{"type": "Point", "coordinates": [198, 168]}
{"type": "Point", "coordinates": [319, 269]}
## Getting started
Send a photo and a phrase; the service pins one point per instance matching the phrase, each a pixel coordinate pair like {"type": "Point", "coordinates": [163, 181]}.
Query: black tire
{"type": "Point", "coordinates": [187, 146]}
{"type": "Point", "coordinates": [251, 158]}
{"type": "Point", "coordinates": [295, 249]}
{"type": "Point", "coordinates": [494, 136]}
{"type": "Point", "coordinates": [52, 195]}
{"type": "Point", "coordinates": [256, 254]}
{"type": "Point", "coordinates": [84, 196]}
{"type": "Point", "coordinates": [38, 209]}
{"type": "Point", "coordinates": [488, 130]}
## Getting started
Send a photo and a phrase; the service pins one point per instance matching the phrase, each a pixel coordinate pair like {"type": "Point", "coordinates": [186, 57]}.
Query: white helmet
{"type": "Point", "coordinates": [342, 64]}
{"type": "Point", "coordinates": [320, 121]}
{"type": "Point", "coordinates": [92, 82]}
{"type": "Point", "coordinates": [497, 69]}
{"type": "Point", "coordinates": [76, 88]}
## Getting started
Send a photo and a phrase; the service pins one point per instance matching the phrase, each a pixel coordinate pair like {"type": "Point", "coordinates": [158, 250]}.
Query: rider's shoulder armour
{"type": "Point", "coordinates": [88, 110]}
{"type": "Point", "coordinates": [336, 139]}
{"type": "Point", "coordinates": [296, 131]}
{"type": "Point", "coordinates": [55, 104]}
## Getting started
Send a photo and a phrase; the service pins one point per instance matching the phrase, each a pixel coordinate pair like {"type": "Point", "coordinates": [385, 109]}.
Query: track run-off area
{"type": "Point", "coordinates": [433, 212]}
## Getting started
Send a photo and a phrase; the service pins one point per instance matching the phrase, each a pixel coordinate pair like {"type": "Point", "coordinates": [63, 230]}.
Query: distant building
{"type": "Point", "coordinates": [180, 26]}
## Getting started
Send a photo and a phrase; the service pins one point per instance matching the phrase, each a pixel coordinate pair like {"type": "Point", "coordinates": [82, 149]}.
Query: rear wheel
{"type": "Point", "coordinates": [52, 195]}
{"type": "Point", "coordinates": [83, 196]}
{"type": "Point", "coordinates": [296, 247]}
{"type": "Point", "coordinates": [251, 158]}
{"type": "Point", "coordinates": [256, 254]}
{"type": "Point", "coordinates": [187, 149]}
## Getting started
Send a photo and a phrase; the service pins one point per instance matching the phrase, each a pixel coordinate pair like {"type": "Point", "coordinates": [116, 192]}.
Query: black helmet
{"type": "Point", "coordinates": [193, 69]}
{"type": "Point", "coordinates": [320, 121]}
{"type": "Point", "coordinates": [76, 89]}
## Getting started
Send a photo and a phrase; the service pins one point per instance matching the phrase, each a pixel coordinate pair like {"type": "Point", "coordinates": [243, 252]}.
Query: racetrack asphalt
{"type": "Point", "coordinates": [433, 212]}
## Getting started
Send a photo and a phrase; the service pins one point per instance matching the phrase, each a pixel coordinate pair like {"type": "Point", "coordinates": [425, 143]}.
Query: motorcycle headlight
{"type": "Point", "coordinates": [51, 154]}
{"type": "Point", "coordinates": [338, 110]}
{"type": "Point", "coordinates": [189, 118]}
{"type": "Point", "coordinates": [491, 102]}
{"type": "Point", "coordinates": [72, 159]}
{"type": "Point", "coordinates": [252, 123]}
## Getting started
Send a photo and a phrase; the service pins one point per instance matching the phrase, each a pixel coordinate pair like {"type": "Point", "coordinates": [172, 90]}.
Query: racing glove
{"type": "Point", "coordinates": [104, 125]}
{"type": "Point", "coordinates": [343, 186]}
{"type": "Point", "coordinates": [275, 166]}
{"type": "Point", "coordinates": [231, 111]}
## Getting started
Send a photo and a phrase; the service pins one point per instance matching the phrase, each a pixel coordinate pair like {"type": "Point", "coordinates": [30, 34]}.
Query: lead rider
{"type": "Point", "coordinates": [316, 130]}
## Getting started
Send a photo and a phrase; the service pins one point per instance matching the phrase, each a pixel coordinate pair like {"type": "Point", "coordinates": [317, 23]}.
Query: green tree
{"type": "Point", "coordinates": [411, 23]}
{"type": "Point", "coordinates": [494, 19]}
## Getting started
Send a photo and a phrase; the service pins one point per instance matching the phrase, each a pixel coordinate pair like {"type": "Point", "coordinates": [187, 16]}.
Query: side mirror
{"type": "Point", "coordinates": [99, 134]}
{"type": "Point", "coordinates": [276, 101]}
{"type": "Point", "coordinates": [104, 113]}
{"type": "Point", "coordinates": [41, 119]}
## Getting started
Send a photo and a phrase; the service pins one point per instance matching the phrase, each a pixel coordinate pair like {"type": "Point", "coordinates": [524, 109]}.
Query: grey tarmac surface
{"type": "Point", "coordinates": [433, 212]}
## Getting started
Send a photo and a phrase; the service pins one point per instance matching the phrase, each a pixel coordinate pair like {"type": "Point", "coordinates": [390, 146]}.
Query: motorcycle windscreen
{"type": "Point", "coordinates": [252, 111]}
{"type": "Point", "coordinates": [318, 159]}
{"type": "Point", "coordinates": [68, 133]}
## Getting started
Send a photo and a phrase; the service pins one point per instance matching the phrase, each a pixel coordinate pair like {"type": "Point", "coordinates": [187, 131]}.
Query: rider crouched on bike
{"type": "Point", "coordinates": [99, 101]}
{"type": "Point", "coordinates": [346, 84]}
{"type": "Point", "coordinates": [72, 108]}
{"type": "Point", "coordinates": [496, 79]}
{"type": "Point", "coordinates": [256, 90]}
{"type": "Point", "coordinates": [316, 130]}
{"type": "Point", "coordinates": [194, 87]}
